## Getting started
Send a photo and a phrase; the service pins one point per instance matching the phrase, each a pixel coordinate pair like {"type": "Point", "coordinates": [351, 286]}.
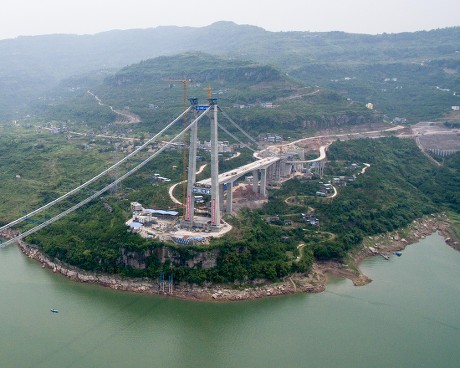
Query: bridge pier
{"type": "Point", "coordinates": [229, 207]}
{"type": "Point", "coordinates": [286, 169]}
{"type": "Point", "coordinates": [221, 195]}
{"type": "Point", "coordinates": [270, 172]}
{"type": "Point", "coordinates": [321, 168]}
{"type": "Point", "coordinates": [263, 182]}
{"type": "Point", "coordinates": [277, 171]}
{"type": "Point", "coordinates": [255, 181]}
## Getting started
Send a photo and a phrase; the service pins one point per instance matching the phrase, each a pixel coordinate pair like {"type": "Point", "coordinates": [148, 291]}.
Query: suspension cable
{"type": "Point", "coordinates": [103, 190]}
{"type": "Point", "coordinates": [244, 132]}
{"type": "Point", "coordinates": [92, 180]}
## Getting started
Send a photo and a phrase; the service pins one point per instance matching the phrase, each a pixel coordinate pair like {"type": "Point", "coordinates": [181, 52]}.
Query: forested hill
{"type": "Point", "coordinates": [261, 97]}
{"type": "Point", "coordinates": [32, 65]}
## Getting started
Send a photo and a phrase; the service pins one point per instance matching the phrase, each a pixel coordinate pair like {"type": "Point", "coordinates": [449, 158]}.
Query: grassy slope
{"type": "Point", "coordinates": [48, 165]}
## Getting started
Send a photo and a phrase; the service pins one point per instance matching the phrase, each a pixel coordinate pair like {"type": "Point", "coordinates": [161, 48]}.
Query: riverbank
{"type": "Point", "coordinates": [384, 245]}
{"type": "Point", "coordinates": [315, 282]}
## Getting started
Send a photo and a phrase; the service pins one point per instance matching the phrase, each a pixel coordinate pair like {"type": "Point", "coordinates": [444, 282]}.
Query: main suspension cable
{"type": "Point", "coordinates": [92, 180]}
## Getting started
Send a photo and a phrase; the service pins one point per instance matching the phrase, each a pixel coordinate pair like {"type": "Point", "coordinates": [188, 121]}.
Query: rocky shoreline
{"type": "Point", "coordinates": [388, 243]}
{"type": "Point", "coordinates": [315, 282]}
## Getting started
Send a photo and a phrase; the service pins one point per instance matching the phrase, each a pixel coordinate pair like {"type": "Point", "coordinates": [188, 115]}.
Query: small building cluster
{"type": "Point", "coordinates": [270, 138]}
{"type": "Point", "coordinates": [222, 146]}
{"type": "Point", "coordinates": [277, 220]}
{"type": "Point", "coordinates": [326, 189]}
{"type": "Point", "coordinates": [164, 225]}
{"type": "Point", "coordinates": [310, 218]}
{"type": "Point", "coordinates": [342, 181]}
{"type": "Point", "coordinates": [149, 223]}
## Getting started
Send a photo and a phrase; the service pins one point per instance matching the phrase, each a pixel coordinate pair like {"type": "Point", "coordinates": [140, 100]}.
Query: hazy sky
{"type": "Point", "coordinates": [36, 17]}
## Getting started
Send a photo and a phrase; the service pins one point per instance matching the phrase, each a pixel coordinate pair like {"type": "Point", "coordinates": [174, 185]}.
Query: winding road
{"type": "Point", "coordinates": [130, 117]}
{"type": "Point", "coordinates": [172, 187]}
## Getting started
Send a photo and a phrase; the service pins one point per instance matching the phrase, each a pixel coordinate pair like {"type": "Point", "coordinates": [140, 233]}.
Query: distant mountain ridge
{"type": "Point", "coordinates": [31, 65]}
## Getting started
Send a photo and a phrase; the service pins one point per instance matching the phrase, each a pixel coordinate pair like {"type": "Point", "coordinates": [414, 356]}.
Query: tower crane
{"type": "Point", "coordinates": [209, 90]}
{"type": "Point", "coordinates": [184, 173]}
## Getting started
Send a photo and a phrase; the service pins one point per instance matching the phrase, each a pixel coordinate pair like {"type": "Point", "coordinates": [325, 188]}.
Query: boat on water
{"type": "Point", "coordinates": [54, 310]}
{"type": "Point", "coordinates": [399, 254]}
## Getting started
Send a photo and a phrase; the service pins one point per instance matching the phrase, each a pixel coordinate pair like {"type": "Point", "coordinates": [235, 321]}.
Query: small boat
{"type": "Point", "coordinates": [384, 256]}
{"type": "Point", "coordinates": [54, 310]}
{"type": "Point", "coordinates": [399, 254]}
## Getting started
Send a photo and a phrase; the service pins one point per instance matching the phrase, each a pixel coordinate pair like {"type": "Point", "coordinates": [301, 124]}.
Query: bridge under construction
{"type": "Point", "coordinates": [268, 167]}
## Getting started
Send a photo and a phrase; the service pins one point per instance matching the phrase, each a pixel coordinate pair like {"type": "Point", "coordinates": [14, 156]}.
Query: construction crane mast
{"type": "Point", "coordinates": [184, 173]}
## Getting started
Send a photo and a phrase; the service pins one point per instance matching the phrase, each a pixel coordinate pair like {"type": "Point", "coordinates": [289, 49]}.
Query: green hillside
{"type": "Point", "coordinates": [417, 91]}
{"type": "Point", "coordinates": [32, 66]}
{"type": "Point", "coordinates": [259, 96]}
{"type": "Point", "coordinates": [400, 186]}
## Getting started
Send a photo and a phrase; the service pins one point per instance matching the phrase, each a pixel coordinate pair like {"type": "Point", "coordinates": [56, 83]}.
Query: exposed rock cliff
{"type": "Point", "coordinates": [187, 257]}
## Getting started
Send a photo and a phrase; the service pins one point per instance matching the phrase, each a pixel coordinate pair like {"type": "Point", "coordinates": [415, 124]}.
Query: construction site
{"type": "Point", "coordinates": [207, 201]}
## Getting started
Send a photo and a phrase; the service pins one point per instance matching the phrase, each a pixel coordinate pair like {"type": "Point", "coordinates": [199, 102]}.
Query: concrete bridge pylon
{"type": "Point", "coordinates": [215, 190]}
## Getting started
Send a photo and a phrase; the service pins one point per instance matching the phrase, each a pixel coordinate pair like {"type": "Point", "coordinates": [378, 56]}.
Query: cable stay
{"type": "Point", "coordinates": [92, 180]}
{"type": "Point", "coordinates": [236, 138]}
{"type": "Point", "coordinates": [105, 189]}
{"type": "Point", "coordinates": [244, 132]}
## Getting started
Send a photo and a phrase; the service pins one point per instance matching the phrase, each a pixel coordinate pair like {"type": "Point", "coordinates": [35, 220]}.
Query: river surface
{"type": "Point", "coordinates": [409, 316]}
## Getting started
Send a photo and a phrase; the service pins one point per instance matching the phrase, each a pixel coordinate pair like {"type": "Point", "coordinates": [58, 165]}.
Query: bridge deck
{"type": "Point", "coordinates": [322, 156]}
{"type": "Point", "coordinates": [232, 175]}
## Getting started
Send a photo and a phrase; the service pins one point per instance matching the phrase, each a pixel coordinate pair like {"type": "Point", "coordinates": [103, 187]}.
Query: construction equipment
{"type": "Point", "coordinates": [209, 90]}
{"type": "Point", "coordinates": [184, 174]}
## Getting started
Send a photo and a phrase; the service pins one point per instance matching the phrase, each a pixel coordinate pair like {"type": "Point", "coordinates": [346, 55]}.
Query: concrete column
{"type": "Point", "coordinates": [191, 177]}
{"type": "Point", "coordinates": [215, 197]}
{"type": "Point", "coordinates": [321, 168]}
{"type": "Point", "coordinates": [270, 173]}
{"type": "Point", "coordinates": [263, 182]}
{"type": "Point", "coordinates": [229, 197]}
{"type": "Point", "coordinates": [255, 181]}
{"type": "Point", "coordinates": [221, 195]}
